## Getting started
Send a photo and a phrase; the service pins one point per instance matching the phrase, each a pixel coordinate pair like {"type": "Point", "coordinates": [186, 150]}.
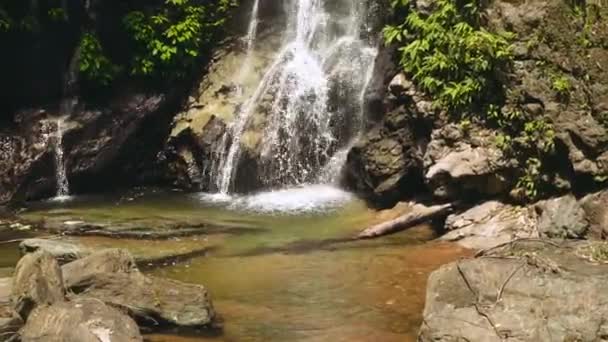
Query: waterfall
{"type": "Point", "coordinates": [67, 106]}
{"type": "Point", "coordinates": [311, 96]}
{"type": "Point", "coordinates": [63, 187]}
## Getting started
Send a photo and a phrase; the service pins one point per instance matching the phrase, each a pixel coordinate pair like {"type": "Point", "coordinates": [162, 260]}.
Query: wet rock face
{"type": "Point", "coordinates": [114, 144]}
{"type": "Point", "coordinates": [526, 291]}
{"type": "Point", "coordinates": [80, 320]}
{"type": "Point", "coordinates": [381, 167]}
{"type": "Point", "coordinates": [386, 163]}
{"type": "Point", "coordinates": [24, 156]}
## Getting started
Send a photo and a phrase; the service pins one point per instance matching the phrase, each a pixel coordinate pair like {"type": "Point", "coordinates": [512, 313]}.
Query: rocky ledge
{"type": "Point", "coordinates": [100, 297]}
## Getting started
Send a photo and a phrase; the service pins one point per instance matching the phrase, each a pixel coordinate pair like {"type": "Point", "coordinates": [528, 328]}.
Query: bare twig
{"type": "Point", "coordinates": [504, 285]}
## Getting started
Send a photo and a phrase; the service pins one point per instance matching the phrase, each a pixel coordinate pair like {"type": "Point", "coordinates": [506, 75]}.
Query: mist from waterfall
{"type": "Point", "coordinates": [311, 95]}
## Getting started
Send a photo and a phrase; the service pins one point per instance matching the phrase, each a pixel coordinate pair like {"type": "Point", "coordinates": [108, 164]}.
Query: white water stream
{"type": "Point", "coordinates": [63, 186]}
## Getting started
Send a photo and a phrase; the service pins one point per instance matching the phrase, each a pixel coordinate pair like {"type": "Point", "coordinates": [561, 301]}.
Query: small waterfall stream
{"type": "Point", "coordinates": [63, 186]}
{"type": "Point", "coordinates": [311, 95]}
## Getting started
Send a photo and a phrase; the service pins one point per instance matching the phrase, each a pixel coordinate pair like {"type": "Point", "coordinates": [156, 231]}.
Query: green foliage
{"type": "Point", "coordinates": [94, 65]}
{"type": "Point", "coordinates": [458, 63]}
{"type": "Point", "coordinates": [449, 54]}
{"type": "Point", "coordinates": [527, 139]}
{"type": "Point", "coordinates": [529, 182]}
{"type": "Point", "coordinates": [561, 85]}
{"type": "Point", "coordinates": [57, 14]}
{"type": "Point", "coordinates": [5, 20]}
{"type": "Point", "coordinates": [169, 40]}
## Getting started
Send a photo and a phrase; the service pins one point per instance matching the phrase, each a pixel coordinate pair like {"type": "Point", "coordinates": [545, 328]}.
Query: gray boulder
{"type": "Point", "coordinates": [80, 320]}
{"type": "Point", "coordinates": [37, 282]}
{"type": "Point", "coordinates": [108, 261]}
{"type": "Point", "coordinates": [526, 291]}
{"type": "Point", "coordinates": [62, 251]}
{"type": "Point", "coordinates": [596, 210]}
{"type": "Point", "coordinates": [111, 277]}
{"type": "Point", "coordinates": [490, 224]}
{"type": "Point", "coordinates": [562, 217]}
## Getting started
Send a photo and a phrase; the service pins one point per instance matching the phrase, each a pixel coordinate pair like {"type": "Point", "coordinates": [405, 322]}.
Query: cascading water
{"type": "Point", "coordinates": [311, 96]}
{"type": "Point", "coordinates": [63, 187]}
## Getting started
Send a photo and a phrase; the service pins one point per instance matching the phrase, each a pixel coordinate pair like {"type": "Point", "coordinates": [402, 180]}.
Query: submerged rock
{"type": "Point", "coordinates": [111, 276]}
{"type": "Point", "coordinates": [37, 282]}
{"type": "Point", "coordinates": [80, 320]}
{"type": "Point", "coordinates": [525, 291]}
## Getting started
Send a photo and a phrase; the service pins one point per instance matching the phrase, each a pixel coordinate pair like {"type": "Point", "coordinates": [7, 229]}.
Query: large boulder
{"type": "Point", "coordinates": [80, 320]}
{"type": "Point", "coordinates": [525, 291]}
{"type": "Point", "coordinates": [382, 166]}
{"type": "Point", "coordinates": [111, 276]}
{"type": "Point", "coordinates": [37, 282]}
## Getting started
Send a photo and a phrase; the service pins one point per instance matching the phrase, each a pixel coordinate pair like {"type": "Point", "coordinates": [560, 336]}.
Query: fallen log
{"type": "Point", "coordinates": [418, 215]}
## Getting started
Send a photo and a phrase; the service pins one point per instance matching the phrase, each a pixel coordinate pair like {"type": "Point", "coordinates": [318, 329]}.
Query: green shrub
{"type": "Point", "coordinates": [449, 54]}
{"type": "Point", "coordinates": [561, 85]}
{"type": "Point", "coordinates": [168, 41]}
{"type": "Point", "coordinates": [93, 64]}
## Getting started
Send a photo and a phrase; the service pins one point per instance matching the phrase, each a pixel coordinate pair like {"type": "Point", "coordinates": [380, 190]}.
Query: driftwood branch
{"type": "Point", "coordinates": [418, 215]}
